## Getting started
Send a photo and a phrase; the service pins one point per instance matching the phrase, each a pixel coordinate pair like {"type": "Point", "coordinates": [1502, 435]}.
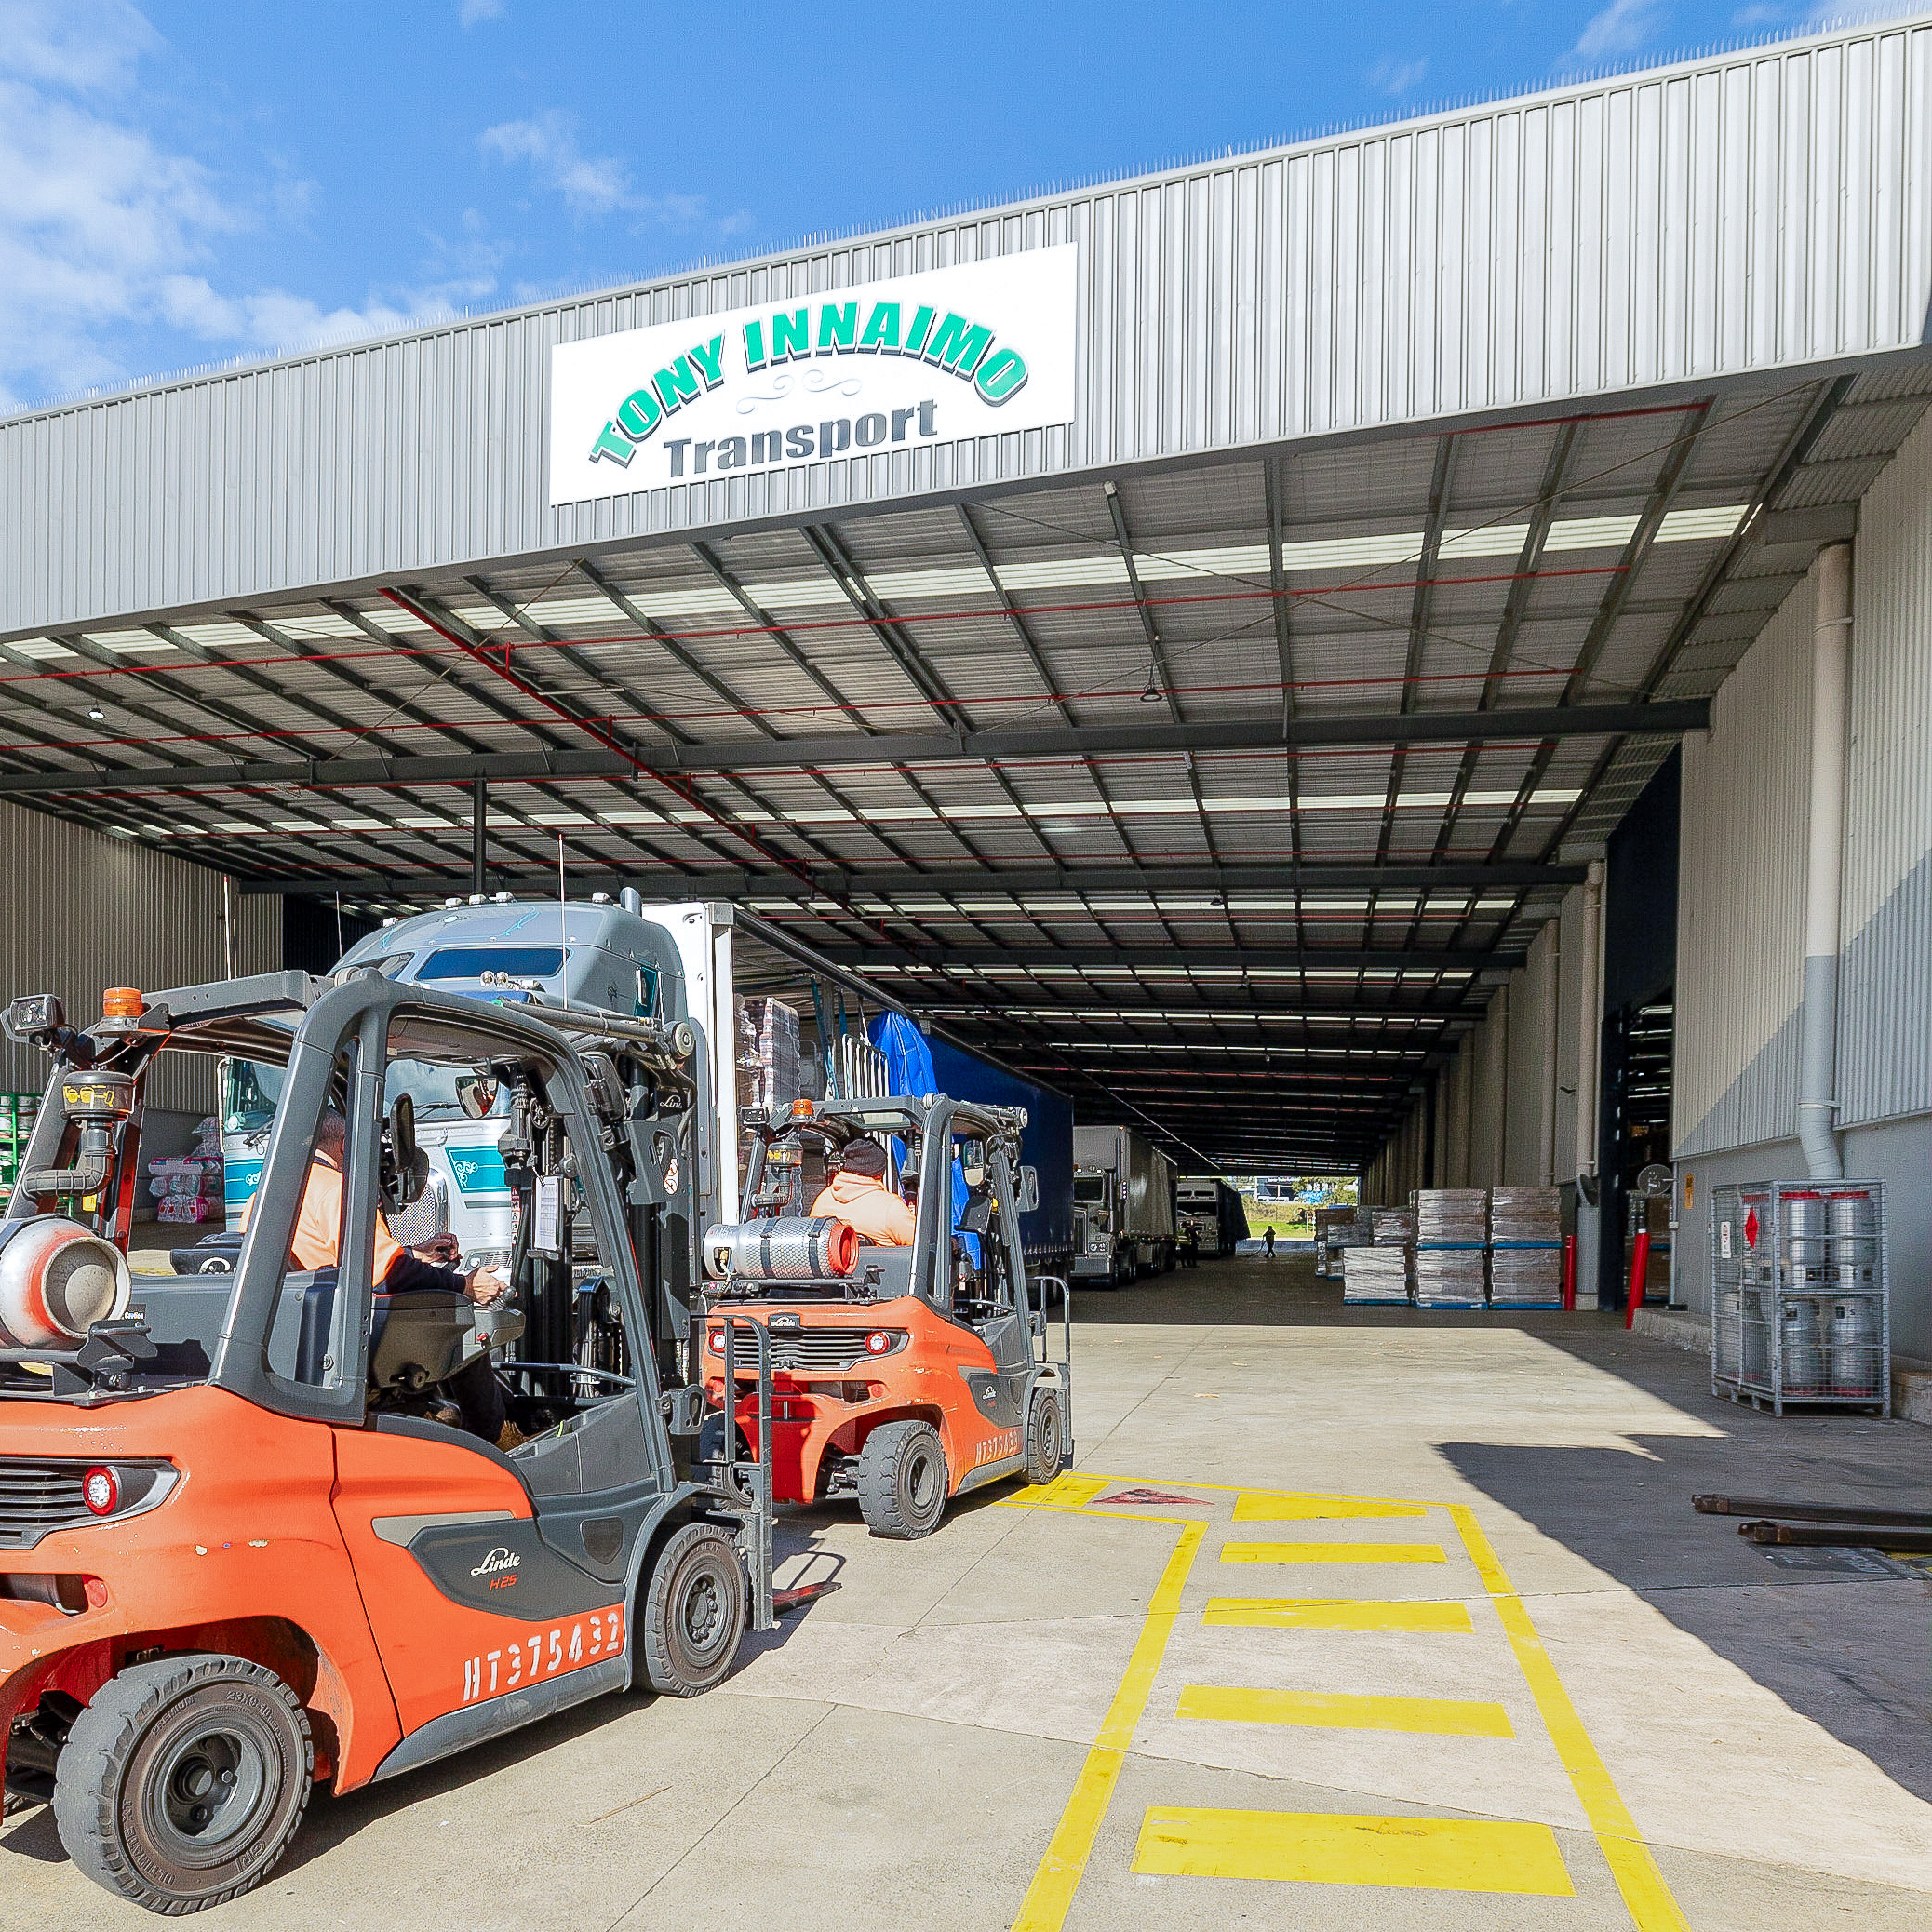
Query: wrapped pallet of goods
{"type": "Point", "coordinates": [1375, 1274]}
{"type": "Point", "coordinates": [1525, 1248]}
{"type": "Point", "coordinates": [1393, 1227]}
{"type": "Point", "coordinates": [1452, 1229]}
{"type": "Point", "coordinates": [770, 1064]}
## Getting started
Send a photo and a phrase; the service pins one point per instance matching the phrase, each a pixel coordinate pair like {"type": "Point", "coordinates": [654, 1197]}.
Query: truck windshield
{"type": "Point", "coordinates": [474, 962]}
{"type": "Point", "coordinates": [252, 1090]}
{"type": "Point", "coordinates": [1089, 1188]}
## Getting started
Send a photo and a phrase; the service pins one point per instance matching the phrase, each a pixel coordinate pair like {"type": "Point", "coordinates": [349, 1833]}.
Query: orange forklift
{"type": "Point", "coordinates": [902, 1376]}
{"type": "Point", "coordinates": [246, 1544]}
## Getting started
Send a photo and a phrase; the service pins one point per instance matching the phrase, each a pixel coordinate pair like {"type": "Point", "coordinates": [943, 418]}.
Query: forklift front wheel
{"type": "Point", "coordinates": [1046, 1439]}
{"type": "Point", "coordinates": [693, 1611]}
{"type": "Point", "coordinates": [182, 1784]}
{"type": "Point", "coordinates": [902, 1480]}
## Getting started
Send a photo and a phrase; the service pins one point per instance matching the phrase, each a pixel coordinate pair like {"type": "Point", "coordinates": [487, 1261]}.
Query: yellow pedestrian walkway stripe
{"type": "Point", "coordinates": [1333, 1553]}
{"type": "Point", "coordinates": [1443, 1854]}
{"type": "Point", "coordinates": [1044, 1908]}
{"type": "Point", "coordinates": [1337, 1613]}
{"type": "Point", "coordinates": [1333, 1848]}
{"type": "Point", "coordinates": [1646, 1894]}
{"type": "Point", "coordinates": [1267, 1506]}
{"type": "Point", "coordinates": [1335, 1711]}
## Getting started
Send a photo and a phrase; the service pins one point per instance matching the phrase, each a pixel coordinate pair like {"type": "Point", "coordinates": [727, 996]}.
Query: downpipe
{"type": "Point", "coordinates": [1818, 1020]}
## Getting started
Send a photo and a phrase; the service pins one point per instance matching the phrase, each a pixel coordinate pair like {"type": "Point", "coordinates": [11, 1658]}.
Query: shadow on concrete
{"type": "Point", "coordinates": [1843, 1638]}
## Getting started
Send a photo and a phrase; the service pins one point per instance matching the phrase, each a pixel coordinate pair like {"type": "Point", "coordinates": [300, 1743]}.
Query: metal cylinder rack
{"type": "Point", "coordinates": [1799, 1304]}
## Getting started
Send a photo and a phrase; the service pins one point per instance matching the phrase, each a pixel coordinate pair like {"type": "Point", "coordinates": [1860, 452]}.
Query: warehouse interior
{"type": "Point", "coordinates": [1493, 781]}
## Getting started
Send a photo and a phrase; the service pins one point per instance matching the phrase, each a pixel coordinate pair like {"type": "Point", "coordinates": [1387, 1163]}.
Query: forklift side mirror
{"type": "Point", "coordinates": [405, 1165]}
{"type": "Point", "coordinates": [976, 1216]}
{"type": "Point", "coordinates": [1026, 1191]}
{"type": "Point", "coordinates": [476, 1093]}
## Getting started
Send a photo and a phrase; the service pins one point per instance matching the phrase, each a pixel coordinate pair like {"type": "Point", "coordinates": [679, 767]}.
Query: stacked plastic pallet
{"type": "Point", "coordinates": [1525, 1248]}
{"type": "Point", "coordinates": [1452, 1229]}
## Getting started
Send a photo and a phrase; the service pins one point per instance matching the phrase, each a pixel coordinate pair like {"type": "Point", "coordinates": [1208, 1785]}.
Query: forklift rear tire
{"type": "Point", "coordinates": [693, 1611]}
{"type": "Point", "coordinates": [1046, 1439]}
{"type": "Point", "coordinates": [902, 1480]}
{"type": "Point", "coordinates": [182, 1784]}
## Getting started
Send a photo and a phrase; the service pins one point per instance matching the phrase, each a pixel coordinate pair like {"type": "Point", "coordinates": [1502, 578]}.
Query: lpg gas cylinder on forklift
{"type": "Point", "coordinates": [245, 1544]}
{"type": "Point", "coordinates": [902, 1375]}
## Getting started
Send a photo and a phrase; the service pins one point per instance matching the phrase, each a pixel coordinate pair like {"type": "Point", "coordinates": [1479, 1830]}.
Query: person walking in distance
{"type": "Point", "coordinates": [1269, 1236]}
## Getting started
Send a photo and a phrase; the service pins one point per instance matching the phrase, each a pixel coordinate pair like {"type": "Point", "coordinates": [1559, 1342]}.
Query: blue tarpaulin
{"type": "Point", "coordinates": [909, 1071]}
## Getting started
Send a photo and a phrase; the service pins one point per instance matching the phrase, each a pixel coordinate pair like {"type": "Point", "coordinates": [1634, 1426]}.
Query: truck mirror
{"type": "Point", "coordinates": [476, 1093]}
{"type": "Point", "coordinates": [1027, 1190]}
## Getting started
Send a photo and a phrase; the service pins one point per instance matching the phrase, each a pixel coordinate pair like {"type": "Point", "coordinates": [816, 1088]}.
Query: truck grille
{"type": "Point", "coordinates": [38, 1496]}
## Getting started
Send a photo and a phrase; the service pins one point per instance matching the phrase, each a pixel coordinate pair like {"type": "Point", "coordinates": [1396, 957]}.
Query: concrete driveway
{"type": "Point", "coordinates": [1343, 1618]}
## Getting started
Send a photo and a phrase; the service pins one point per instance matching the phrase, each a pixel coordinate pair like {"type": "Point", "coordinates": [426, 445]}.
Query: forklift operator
{"type": "Point", "coordinates": [858, 1194]}
{"type": "Point", "coordinates": [316, 1245]}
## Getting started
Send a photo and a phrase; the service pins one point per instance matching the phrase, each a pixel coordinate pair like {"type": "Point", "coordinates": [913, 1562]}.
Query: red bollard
{"type": "Point", "coordinates": [1640, 1267]}
{"type": "Point", "coordinates": [1569, 1274]}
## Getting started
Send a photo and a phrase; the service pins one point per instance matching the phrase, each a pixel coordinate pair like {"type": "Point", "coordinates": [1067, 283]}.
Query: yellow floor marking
{"type": "Point", "coordinates": [1334, 1848]}
{"type": "Point", "coordinates": [1336, 1614]}
{"type": "Point", "coordinates": [1335, 1711]}
{"type": "Point", "coordinates": [1333, 1553]}
{"type": "Point", "coordinates": [1048, 1897]}
{"type": "Point", "coordinates": [1646, 1894]}
{"type": "Point", "coordinates": [1267, 1506]}
{"type": "Point", "coordinates": [1065, 1492]}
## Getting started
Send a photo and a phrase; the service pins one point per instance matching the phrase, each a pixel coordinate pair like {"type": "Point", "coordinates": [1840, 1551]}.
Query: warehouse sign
{"type": "Point", "coordinates": [978, 350]}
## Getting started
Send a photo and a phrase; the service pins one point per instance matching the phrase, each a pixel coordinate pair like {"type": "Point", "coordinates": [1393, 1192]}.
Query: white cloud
{"type": "Point", "coordinates": [471, 11]}
{"type": "Point", "coordinates": [1393, 76]}
{"type": "Point", "coordinates": [105, 233]}
{"type": "Point", "coordinates": [1623, 27]}
{"type": "Point", "coordinates": [589, 185]}
{"type": "Point", "coordinates": [593, 186]}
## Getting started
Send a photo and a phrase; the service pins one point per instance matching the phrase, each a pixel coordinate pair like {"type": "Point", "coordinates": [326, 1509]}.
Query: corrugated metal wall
{"type": "Point", "coordinates": [1740, 907]}
{"type": "Point", "coordinates": [1750, 211]}
{"type": "Point", "coordinates": [1885, 1036]}
{"type": "Point", "coordinates": [85, 912]}
{"type": "Point", "coordinates": [1490, 1094]}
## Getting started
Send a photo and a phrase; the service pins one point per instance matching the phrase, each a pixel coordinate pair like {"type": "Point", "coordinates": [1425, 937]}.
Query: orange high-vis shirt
{"type": "Point", "coordinates": [318, 1224]}
{"type": "Point", "coordinates": [870, 1206]}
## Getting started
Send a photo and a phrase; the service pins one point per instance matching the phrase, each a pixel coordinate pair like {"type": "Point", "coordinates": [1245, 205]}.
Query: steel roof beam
{"type": "Point", "coordinates": [1279, 958]}
{"type": "Point", "coordinates": [855, 749]}
{"type": "Point", "coordinates": [886, 880]}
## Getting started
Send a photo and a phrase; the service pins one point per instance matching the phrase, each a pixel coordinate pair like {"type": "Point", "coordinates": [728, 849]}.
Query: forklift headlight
{"type": "Point", "coordinates": [122, 1489]}
{"type": "Point", "coordinates": [715, 1341]}
{"type": "Point", "coordinates": [884, 1341]}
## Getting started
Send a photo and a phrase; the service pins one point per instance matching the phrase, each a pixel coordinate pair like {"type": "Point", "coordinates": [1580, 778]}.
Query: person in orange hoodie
{"type": "Point", "coordinates": [858, 1194]}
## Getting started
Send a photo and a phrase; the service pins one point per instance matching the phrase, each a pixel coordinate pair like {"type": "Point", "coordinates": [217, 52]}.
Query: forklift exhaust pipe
{"type": "Point", "coordinates": [57, 1281]}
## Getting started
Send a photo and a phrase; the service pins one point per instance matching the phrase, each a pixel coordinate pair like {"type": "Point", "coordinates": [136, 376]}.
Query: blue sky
{"type": "Point", "coordinates": [182, 183]}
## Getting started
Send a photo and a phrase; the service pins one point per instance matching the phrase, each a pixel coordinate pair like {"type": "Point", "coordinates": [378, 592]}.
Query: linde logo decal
{"type": "Point", "coordinates": [978, 350]}
{"type": "Point", "coordinates": [498, 1559]}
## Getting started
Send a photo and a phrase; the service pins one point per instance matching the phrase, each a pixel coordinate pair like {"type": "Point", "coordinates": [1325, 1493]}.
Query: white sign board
{"type": "Point", "coordinates": [978, 350]}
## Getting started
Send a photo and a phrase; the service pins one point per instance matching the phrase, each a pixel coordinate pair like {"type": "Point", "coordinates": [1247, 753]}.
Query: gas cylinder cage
{"type": "Point", "coordinates": [1800, 1297]}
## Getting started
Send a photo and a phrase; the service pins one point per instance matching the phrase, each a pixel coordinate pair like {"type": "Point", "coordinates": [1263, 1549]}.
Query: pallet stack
{"type": "Point", "coordinates": [1525, 1248]}
{"type": "Point", "coordinates": [1452, 1230]}
{"type": "Point", "coordinates": [1379, 1273]}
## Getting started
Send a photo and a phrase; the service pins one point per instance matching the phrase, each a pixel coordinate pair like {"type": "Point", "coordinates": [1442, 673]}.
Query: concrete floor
{"type": "Point", "coordinates": [1733, 1742]}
